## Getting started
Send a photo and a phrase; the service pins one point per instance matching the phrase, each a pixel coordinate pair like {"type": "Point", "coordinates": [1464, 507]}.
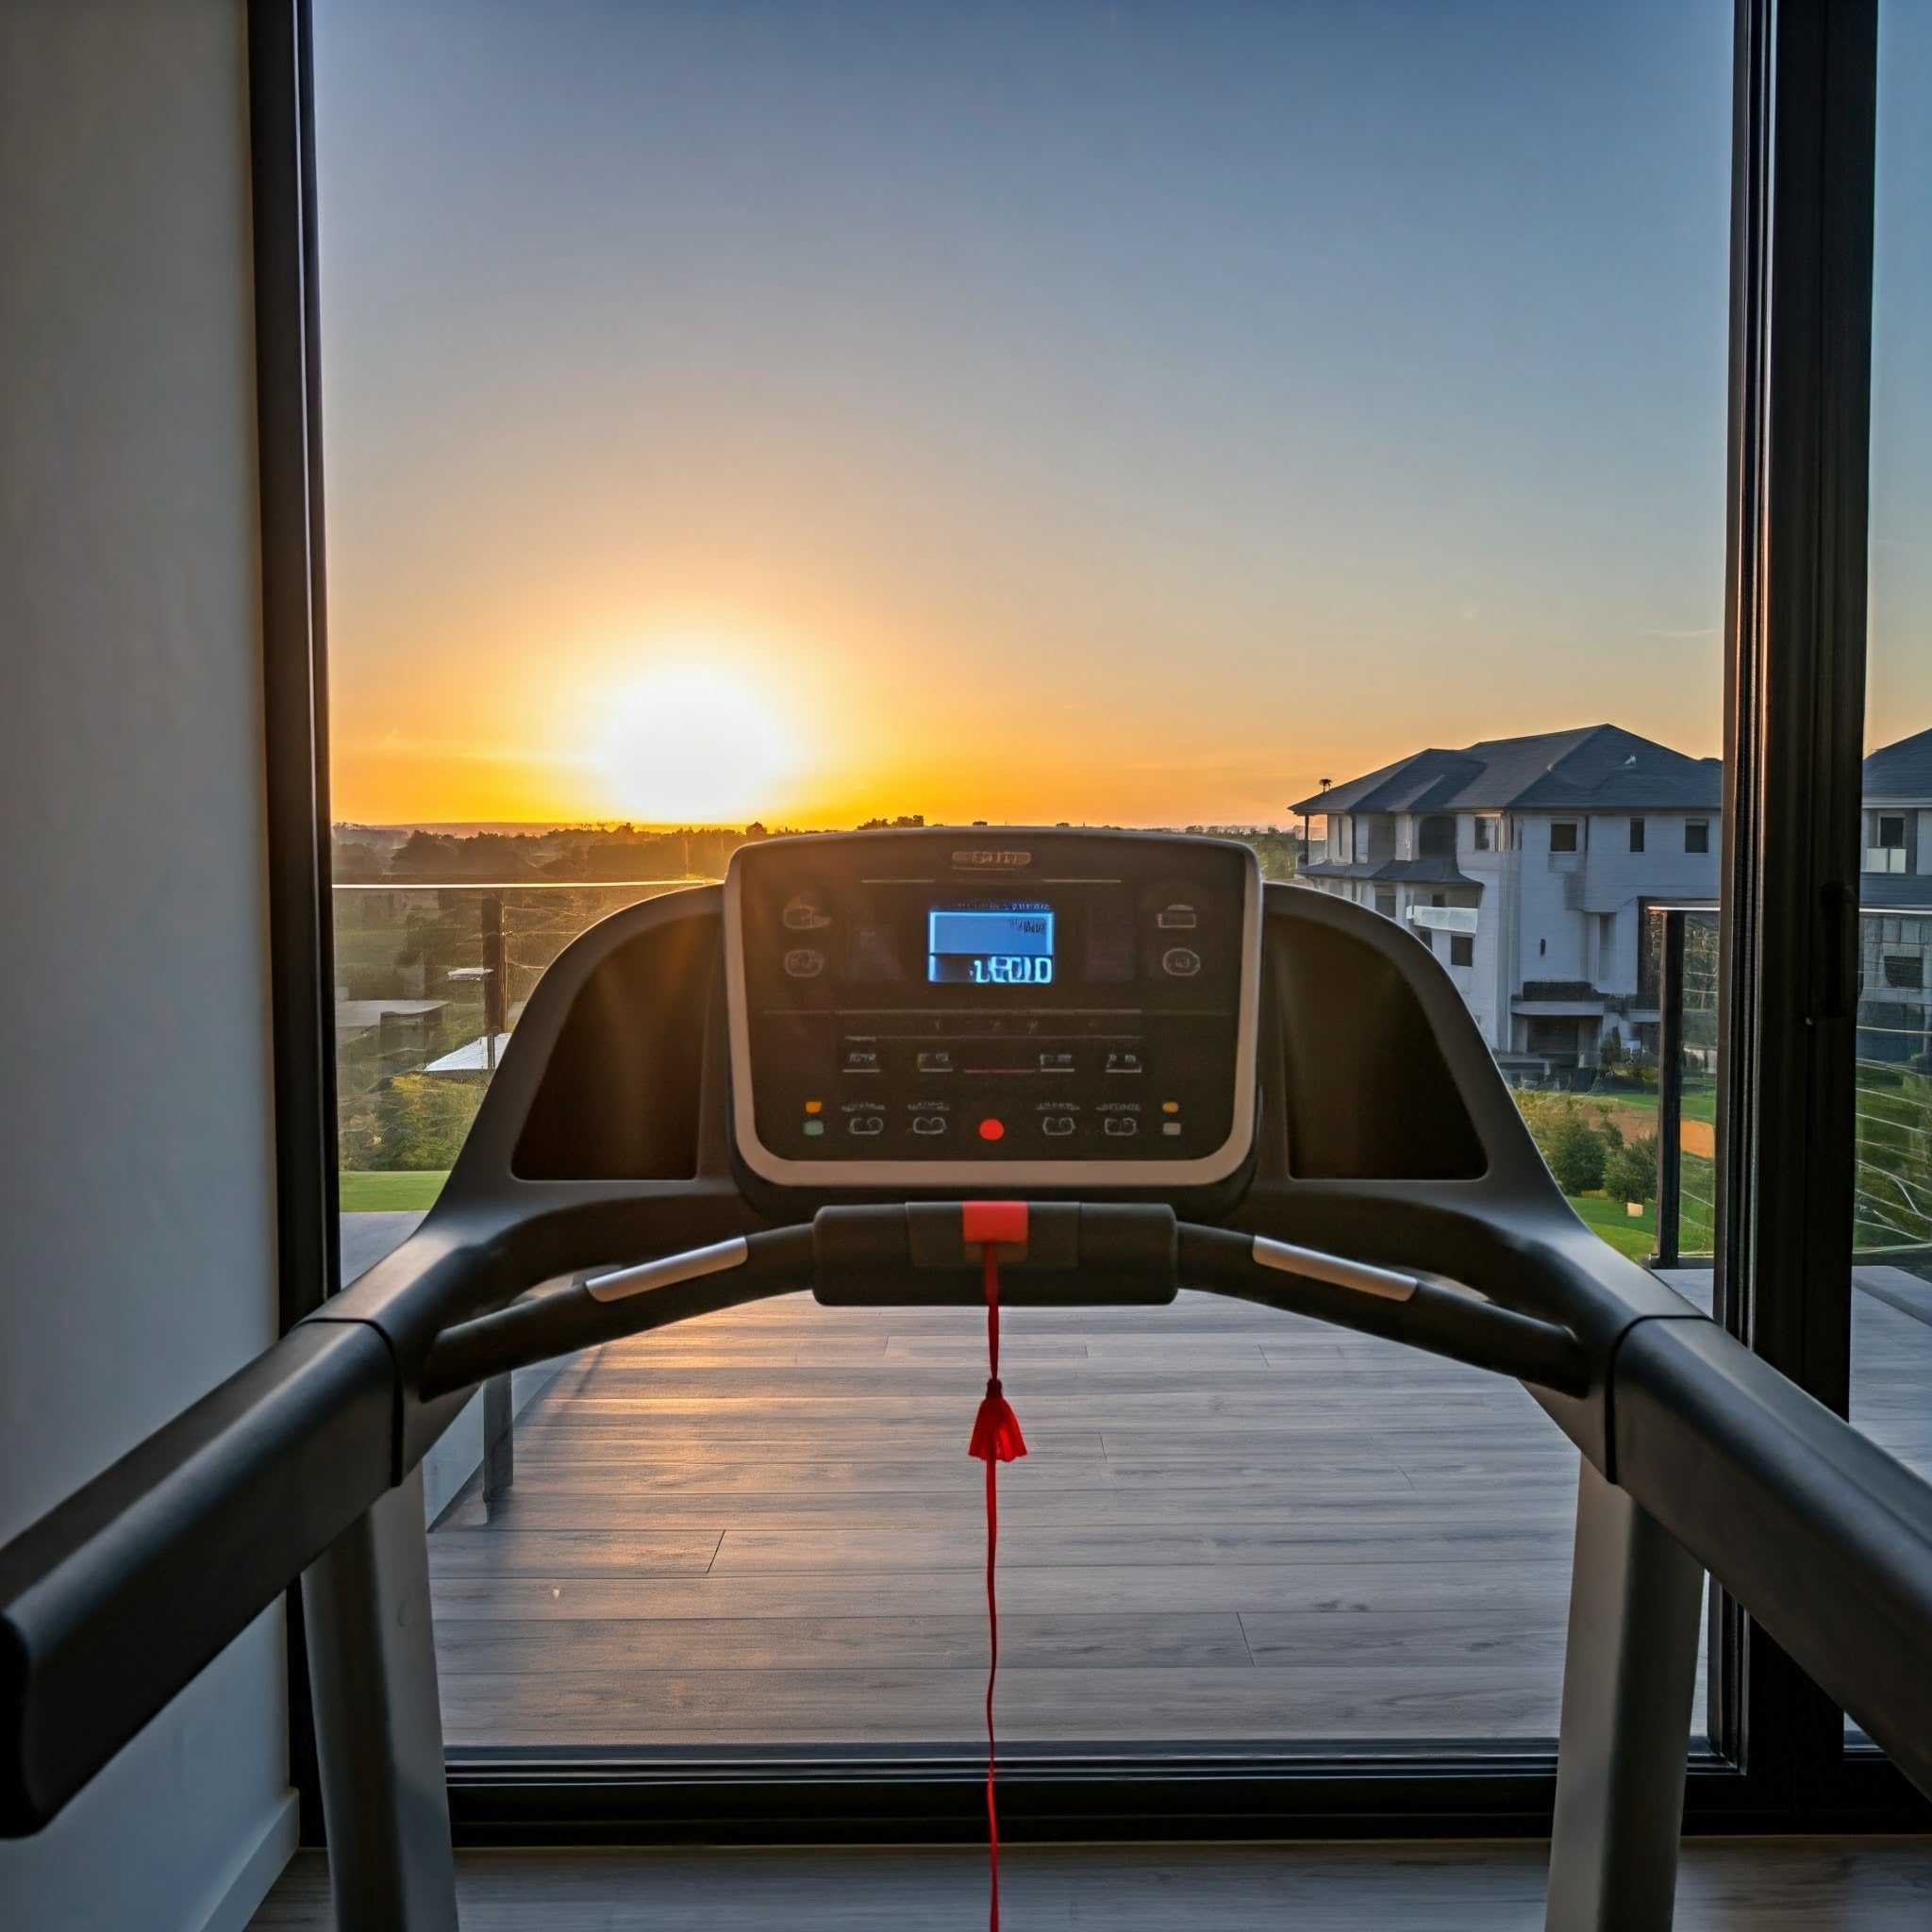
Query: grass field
{"type": "Point", "coordinates": [1629, 1234]}
{"type": "Point", "coordinates": [364, 1193]}
{"type": "Point", "coordinates": [1699, 1099]}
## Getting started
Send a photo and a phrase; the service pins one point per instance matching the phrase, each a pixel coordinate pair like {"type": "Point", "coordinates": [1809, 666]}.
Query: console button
{"type": "Point", "coordinates": [862, 1059]}
{"type": "Point", "coordinates": [1058, 1126]}
{"type": "Point", "coordinates": [939, 1061]}
{"type": "Point", "coordinates": [1056, 1063]}
{"type": "Point", "coordinates": [928, 1124]}
{"type": "Point", "coordinates": [803, 915]}
{"type": "Point", "coordinates": [1123, 1062]}
{"type": "Point", "coordinates": [1180, 962]}
{"type": "Point", "coordinates": [1120, 1124]}
{"type": "Point", "coordinates": [804, 962]}
{"type": "Point", "coordinates": [866, 1123]}
{"type": "Point", "coordinates": [1176, 918]}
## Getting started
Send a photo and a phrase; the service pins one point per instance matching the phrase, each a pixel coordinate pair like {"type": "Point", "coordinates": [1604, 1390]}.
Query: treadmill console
{"type": "Point", "coordinates": [929, 1008]}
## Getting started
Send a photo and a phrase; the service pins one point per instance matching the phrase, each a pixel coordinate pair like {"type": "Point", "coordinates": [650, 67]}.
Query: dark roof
{"type": "Point", "coordinates": [1595, 768]}
{"type": "Point", "coordinates": [1901, 771]}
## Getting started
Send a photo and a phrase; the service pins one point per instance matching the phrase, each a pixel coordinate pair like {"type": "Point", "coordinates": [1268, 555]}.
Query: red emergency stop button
{"type": "Point", "coordinates": [991, 1130]}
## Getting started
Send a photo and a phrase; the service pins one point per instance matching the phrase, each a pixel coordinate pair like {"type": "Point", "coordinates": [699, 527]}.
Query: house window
{"type": "Point", "coordinates": [1436, 838]}
{"type": "Point", "coordinates": [1891, 833]}
{"type": "Point", "coordinates": [1696, 834]}
{"type": "Point", "coordinates": [1385, 901]}
{"type": "Point", "coordinates": [1462, 949]}
{"type": "Point", "coordinates": [1481, 834]}
{"type": "Point", "coordinates": [1906, 969]}
{"type": "Point", "coordinates": [1563, 836]}
{"type": "Point", "coordinates": [1637, 834]}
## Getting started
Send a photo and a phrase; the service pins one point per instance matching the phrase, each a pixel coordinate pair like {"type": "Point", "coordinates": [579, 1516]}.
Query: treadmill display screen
{"type": "Point", "coordinates": [915, 1008]}
{"type": "Point", "coordinates": [989, 945]}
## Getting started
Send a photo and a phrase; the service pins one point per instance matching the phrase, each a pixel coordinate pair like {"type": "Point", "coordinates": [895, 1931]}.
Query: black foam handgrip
{"type": "Point", "coordinates": [1077, 1255]}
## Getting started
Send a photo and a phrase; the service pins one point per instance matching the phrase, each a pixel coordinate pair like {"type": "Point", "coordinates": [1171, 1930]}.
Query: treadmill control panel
{"type": "Point", "coordinates": [922, 1006]}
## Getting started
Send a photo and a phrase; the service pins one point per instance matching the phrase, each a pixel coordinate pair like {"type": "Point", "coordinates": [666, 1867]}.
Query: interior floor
{"type": "Point", "coordinates": [1724, 1885]}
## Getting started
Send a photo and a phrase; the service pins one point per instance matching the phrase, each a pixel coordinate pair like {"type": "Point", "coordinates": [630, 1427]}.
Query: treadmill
{"type": "Point", "coordinates": [808, 1077]}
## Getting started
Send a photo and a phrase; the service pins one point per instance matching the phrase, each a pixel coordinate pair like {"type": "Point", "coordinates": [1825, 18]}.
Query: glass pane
{"type": "Point", "coordinates": [1891, 1300]}
{"type": "Point", "coordinates": [744, 416]}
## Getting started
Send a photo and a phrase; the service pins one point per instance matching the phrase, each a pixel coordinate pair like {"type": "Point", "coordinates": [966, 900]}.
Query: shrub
{"type": "Point", "coordinates": [415, 1122]}
{"type": "Point", "coordinates": [1576, 1155]}
{"type": "Point", "coordinates": [1574, 1137]}
{"type": "Point", "coordinates": [1630, 1172]}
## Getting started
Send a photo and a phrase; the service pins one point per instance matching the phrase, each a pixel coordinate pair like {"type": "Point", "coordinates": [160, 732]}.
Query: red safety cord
{"type": "Point", "coordinates": [996, 1438]}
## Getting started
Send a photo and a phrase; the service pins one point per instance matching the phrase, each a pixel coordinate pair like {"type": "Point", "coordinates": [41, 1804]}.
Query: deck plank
{"type": "Point", "coordinates": [762, 1526]}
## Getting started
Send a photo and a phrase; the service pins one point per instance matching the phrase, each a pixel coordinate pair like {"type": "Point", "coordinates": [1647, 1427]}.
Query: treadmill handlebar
{"type": "Point", "coordinates": [1075, 1256]}
{"type": "Point", "coordinates": [119, 1596]}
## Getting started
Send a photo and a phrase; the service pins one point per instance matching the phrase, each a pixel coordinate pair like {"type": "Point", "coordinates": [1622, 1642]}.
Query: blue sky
{"type": "Point", "coordinates": [1045, 410]}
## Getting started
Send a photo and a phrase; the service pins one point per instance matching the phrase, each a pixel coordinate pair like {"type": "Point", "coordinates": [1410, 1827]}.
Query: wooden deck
{"type": "Point", "coordinates": [761, 1529]}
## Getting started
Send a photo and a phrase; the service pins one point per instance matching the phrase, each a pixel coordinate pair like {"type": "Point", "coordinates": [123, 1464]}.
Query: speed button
{"type": "Point", "coordinates": [1180, 962]}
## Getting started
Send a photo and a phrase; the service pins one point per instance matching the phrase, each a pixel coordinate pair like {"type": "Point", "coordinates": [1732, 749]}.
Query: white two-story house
{"type": "Point", "coordinates": [1528, 865]}
{"type": "Point", "coordinates": [1895, 897]}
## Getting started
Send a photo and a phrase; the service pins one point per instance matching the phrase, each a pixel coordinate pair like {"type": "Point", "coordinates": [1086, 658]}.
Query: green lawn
{"type": "Point", "coordinates": [1629, 1234]}
{"type": "Point", "coordinates": [1699, 1099]}
{"type": "Point", "coordinates": [365, 1192]}
{"type": "Point", "coordinates": [375, 1193]}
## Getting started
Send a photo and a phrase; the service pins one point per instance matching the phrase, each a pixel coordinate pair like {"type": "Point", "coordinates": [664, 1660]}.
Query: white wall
{"type": "Point", "coordinates": [136, 1252]}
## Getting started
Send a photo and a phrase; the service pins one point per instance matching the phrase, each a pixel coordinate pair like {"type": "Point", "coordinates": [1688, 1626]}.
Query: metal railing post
{"type": "Point", "coordinates": [495, 999]}
{"type": "Point", "coordinates": [1670, 1092]}
{"type": "Point", "coordinates": [499, 1440]}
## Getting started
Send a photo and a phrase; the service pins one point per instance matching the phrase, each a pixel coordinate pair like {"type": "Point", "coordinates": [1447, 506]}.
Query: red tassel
{"type": "Point", "coordinates": [996, 1428]}
{"type": "Point", "coordinates": [996, 1438]}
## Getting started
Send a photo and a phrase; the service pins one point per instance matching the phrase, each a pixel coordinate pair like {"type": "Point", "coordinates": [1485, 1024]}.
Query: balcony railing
{"type": "Point", "coordinates": [1892, 1203]}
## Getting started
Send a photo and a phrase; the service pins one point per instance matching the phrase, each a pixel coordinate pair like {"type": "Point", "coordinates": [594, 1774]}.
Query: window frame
{"type": "Point", "coordinates": [1802, 117]}
{"type": "Point", "coordinates": [1638, 833]}
{"type": "Point", "coordinates": [1573, 841]}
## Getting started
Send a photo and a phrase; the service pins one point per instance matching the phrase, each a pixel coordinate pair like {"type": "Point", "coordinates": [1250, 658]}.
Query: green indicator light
{"type": "Point", "coordinates": [814, 1127]}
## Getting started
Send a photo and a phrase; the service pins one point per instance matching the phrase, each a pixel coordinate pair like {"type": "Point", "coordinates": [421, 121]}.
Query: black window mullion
{"type": "Point", "coordinates": [1794, 716]}
{"type": "Point", "coordinates": [294, 717]}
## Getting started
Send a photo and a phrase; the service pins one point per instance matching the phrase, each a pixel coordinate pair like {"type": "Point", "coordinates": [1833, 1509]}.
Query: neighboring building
{"type": "Point", "coordinates": [1896, 895]}
{"type": "Point", "coordinates": [1528, 865]}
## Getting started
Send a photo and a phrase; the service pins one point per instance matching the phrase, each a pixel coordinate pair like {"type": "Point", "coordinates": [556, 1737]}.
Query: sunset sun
{"type": "Point", "coordinates": [685, 746]}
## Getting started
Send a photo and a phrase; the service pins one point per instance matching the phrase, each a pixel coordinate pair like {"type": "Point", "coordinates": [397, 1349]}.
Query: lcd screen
{"type": "Point", "coordinates": [989, 945]}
